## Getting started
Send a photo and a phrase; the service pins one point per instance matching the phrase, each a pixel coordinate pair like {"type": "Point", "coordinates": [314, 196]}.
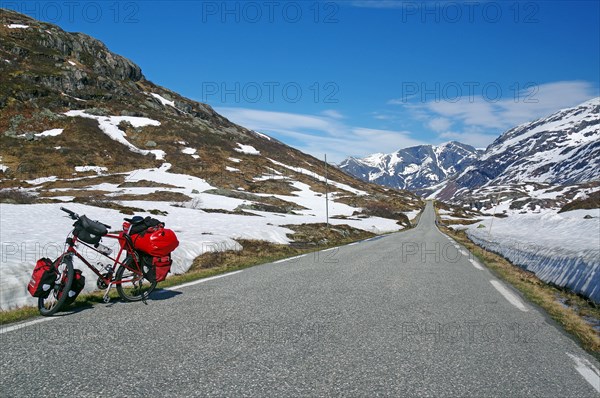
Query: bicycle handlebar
{"type": "Point", "coordinates": [71, 214]}
{"type": "Point", "coordinates": [75, 216]}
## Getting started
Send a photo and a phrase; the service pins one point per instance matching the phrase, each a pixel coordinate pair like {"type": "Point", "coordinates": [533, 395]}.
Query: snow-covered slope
{"type": "Point", "coordinates": [207, 222]}
{"type": "Point", "coordinates": [561, 149]}
{"type": "Point", "coordinates": [415, 168]}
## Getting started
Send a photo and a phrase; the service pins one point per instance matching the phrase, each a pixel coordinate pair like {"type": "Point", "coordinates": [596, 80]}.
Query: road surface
{"type": "Point", "coordinates": [405, 315]}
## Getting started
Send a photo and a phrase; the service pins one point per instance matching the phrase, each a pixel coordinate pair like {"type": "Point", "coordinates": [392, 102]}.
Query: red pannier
{"type": "Point", "coordinates": [156, 241]}
{"type": "Point", "coordinates": [43, 278]}
{"type": "Point", "coordinates": [155, 268]}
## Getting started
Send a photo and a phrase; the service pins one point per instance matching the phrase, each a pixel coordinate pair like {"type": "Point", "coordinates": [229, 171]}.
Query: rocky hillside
{"type": "Point", "coordinates": [70, 108]}
{"type": "Point", "coordinates": [416, 168]}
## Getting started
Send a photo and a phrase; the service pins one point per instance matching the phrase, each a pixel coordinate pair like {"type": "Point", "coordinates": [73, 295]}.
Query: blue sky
{"type": "Point", "coordinates": [356, 77]}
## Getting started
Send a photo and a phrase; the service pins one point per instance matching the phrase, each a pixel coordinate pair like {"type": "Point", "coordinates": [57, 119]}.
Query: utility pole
{"type": "Point", "coordinates": [326, 193]}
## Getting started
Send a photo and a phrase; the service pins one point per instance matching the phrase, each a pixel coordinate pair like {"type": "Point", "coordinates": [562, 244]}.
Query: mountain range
{"type": "Point", "coordinates": [562, 149]}
{"type": "Point", "coordinates": [416, 168]}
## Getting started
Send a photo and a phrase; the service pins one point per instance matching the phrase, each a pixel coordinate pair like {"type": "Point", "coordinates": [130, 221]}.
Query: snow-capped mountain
{"type": "Point", "coordinates": [415, 168]}
{"type": "Point", "coordinates": [561, 149]}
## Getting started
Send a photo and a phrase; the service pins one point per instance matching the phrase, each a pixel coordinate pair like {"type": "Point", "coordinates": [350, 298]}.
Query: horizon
{"type": "Point", "coordinates": [472, 70]}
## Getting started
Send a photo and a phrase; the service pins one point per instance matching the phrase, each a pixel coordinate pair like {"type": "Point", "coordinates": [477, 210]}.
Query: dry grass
{"type": "Point", "coordinates": [591, 202]}
{"type": "Point", "coordinates": [159, 196]}
{"type": "Point", "coordinates": [145, 184]}
{"type": "Point", "coordinates": [316, 235]}
{"type": "Point", "coordinates": [540, 293]}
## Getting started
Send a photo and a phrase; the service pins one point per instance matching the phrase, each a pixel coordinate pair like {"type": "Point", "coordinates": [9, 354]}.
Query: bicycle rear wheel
{"type": "Point", "coordinates": [54, 302]}
{"type": "Point", "coordinates": [139, 288]}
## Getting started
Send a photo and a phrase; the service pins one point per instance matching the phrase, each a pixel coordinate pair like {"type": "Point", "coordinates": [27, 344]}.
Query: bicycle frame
{"type": "Point", "coordinates": [124, 246]}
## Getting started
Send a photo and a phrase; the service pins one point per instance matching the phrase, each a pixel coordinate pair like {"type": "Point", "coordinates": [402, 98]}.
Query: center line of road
{"type": "Point", "coordinates": [6, 329]}
{"type": "Point", "coordinates": [589, 372]}
{"type": "Point", "coordinates": [508, 295]}
{"type": "Point", "coordinates": [476, 264]}
{"type": "Point", "coordinates": [177, 287]}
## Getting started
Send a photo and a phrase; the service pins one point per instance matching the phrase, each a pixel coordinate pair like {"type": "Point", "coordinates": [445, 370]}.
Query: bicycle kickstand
{"type": "Point", "coordinates": [106, 297]}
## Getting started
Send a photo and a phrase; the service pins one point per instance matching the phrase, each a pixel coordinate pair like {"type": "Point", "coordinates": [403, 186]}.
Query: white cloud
{"type": "Point", "coordinates": [476, 121]}
{"type": "Point", "coordinates": [439, 124]}
{"type": "Point", "coordinates": [317, 135]}
{"type": "Point", "coordinates": [332, 113]}
{"type": "Point", "coordinates": [525, 106]}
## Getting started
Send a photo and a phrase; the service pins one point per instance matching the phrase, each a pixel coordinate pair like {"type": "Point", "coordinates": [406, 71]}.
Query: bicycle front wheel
{"type": "Point", "coordinates": [139, 288]}
{"type": "Point", "coordinates": [54, 302]}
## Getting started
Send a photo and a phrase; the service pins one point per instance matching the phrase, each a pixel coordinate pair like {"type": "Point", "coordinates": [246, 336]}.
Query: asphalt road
{"type": "Point", "coordinates": [401, 315]}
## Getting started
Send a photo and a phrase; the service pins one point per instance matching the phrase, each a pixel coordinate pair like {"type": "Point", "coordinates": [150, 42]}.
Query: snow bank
{"type": "Point", "coordinates": [17, 26]}
{"type": "Point", "coordinates": [563, 249]}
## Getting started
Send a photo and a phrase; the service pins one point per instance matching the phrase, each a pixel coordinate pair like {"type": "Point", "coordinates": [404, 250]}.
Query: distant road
{"type": "Point", "coordinates": [401, 315]}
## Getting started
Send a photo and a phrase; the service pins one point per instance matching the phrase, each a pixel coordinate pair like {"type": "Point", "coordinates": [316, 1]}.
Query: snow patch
{"type": "Point", "coordinates": [50, 133]}
{"type": "Point", "coordinates": [263, 135]}
{"type": "Point", "coordinates": [109, 125]}
{"type": "Point", "coordinates": [247, 149]}
{"type": "Point", "coordinates": [17, 26]}
{"type": "Point", "coordinates": [163, 100]}
{"type": "Point", "coordinates": [97, 169]}
{"type": "Point", "coordinates": [318, 177]}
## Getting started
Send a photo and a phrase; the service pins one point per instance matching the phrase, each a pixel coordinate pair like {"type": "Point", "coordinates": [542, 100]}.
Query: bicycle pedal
{"type": "Point", "coordinates": [106, 299]}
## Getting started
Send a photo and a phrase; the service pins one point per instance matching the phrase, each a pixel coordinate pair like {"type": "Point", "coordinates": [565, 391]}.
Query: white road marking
{"type": "Point", "coordinates": [457, 247]}
{"type": "Point", "coordinates": [6, 329]}
{"type": "Point", "coordinates": [330, 249]}
{"type": "Point", "coordinates": [476, 264]}
{"type": "Point", "coordinates": [352, 244]}
{"type": "Point", "coordinates": [464, 253]}
{"type": "Point", "coordinates": [289, 259]}
{"type": "Point", "coordinates": [510, 296]}
{"type": "Point", "coordinates": [589, 372]}
{"type": "Point", "coordinates": [177, 287]}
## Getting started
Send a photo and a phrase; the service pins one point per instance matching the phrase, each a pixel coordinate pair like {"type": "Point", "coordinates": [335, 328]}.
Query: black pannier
{"type": "Point", "coordinates": [89, 231]}
{"type": "Point", "coordinates": [139, 224]}
{"type": "Point", "coordinates": [76, 287]}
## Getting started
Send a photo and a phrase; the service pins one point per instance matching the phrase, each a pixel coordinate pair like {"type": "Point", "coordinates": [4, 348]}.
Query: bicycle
{"type": "Point", "coordinates": [129, 279]}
